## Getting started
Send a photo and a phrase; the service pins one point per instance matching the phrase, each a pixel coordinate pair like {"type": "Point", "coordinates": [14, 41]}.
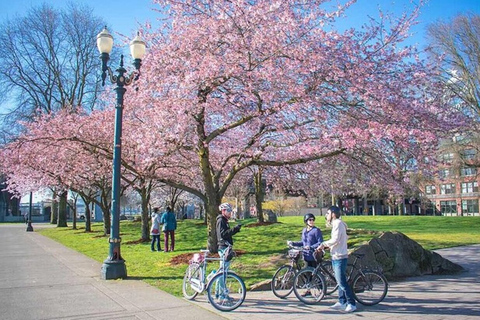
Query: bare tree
{"type": "Point", "coordinates": [48, 62]}
{"type": "Point", "coordinates": [457, 45]}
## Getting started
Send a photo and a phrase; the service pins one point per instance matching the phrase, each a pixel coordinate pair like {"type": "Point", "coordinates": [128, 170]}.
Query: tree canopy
{"type": "Point", "coordinates": [227, 85]}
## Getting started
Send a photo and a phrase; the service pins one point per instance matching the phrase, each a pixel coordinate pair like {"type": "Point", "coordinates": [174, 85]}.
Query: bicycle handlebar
{"type": "Point", "coordinates": [304, 248]}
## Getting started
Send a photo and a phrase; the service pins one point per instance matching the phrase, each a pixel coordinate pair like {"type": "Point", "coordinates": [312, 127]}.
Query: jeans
{"type": "Point", "coordinates": [220, 287]}
{"type": "Point", "coordinates": [345, 294]}
{"type": "Point", "coordinates": [156, 238]}
{"type": "Point", "coordinates": [170, 233]}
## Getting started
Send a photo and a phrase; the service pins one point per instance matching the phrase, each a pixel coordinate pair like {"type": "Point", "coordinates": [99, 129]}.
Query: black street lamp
{"type": "Point", "coordinates": [29, 217]}
{"type": "Point", "coordinates": [114, 266]}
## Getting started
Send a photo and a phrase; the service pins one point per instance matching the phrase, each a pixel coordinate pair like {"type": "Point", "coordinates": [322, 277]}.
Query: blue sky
{"type": "Point", "coordinates": [123, 16]}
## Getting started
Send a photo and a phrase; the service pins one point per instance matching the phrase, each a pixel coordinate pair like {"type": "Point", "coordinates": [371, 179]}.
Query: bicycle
{"type": "Point", "coordinates": [369, 287]}
{"type": "Point", "coordinates": [282, 280]}
{"type": "Point", "coordinates": [309, 285]}
{"type": "Point", "coordinates": [226, 291]}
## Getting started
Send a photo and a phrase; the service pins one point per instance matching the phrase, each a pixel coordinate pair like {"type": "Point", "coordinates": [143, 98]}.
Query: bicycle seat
{"type": "Point", "coordinates": [358, 255]}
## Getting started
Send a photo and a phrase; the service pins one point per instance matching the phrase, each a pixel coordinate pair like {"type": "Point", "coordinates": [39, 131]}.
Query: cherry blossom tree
{"type": "Point", "coordinates": [50, 154]}
{"type": "Point", "coordinates": [234, 84]}
{"type": "Point", "coordinates": [231, 85]}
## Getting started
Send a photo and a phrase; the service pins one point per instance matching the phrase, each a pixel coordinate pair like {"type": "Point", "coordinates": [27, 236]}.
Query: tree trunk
{"type": "Point", "coordinates": [105, 205]}
{"type": "Point", "coordinates": [211, 214]}
{"type": "Point", "coordinates": [88, 216]}
{"type": "Point", "coordinates": [259, 195]}
{"type": "Point", "coordinates": [145, 217]}
{"type": "Point", "coordinates": [74, 209]}
{"type": "Point", "coordinates": [54, 213]}
{"type": "Point", "coordinates": [62, 210]}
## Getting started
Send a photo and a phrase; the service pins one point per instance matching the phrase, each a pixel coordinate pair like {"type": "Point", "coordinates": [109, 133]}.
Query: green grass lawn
{"type": "Point", "coordinates": [263, 245]}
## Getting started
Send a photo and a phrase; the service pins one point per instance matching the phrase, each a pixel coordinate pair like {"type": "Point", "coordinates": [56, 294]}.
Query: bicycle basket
{"type": "Point", "coordinates": [197, 258]}
{"type": "Point", "coordinates": [294, 253]}
{"type": "Point", "coordinates": [318, 256]}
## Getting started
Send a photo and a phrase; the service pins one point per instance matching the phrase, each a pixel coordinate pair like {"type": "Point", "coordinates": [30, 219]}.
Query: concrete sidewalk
{"type": "Point", "coordinates": [425, 297]}
{"type": "Point", "coordinates": [41, 279]}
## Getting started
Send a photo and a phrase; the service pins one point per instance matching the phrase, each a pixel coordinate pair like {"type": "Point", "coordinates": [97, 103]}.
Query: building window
{"type": "Point", "coordinates": [468, 171]}
{"type": "Point", "coordinates": [444, 173]}
{"type": "Point", "coordinates": [447, 157]}
{"type": "Point", "coordinates": [469, 187]}
{"type": "Point", "coordinates": [470, 207]}
{"type": "Point", "coordinates": [469, 154]}
{"type": "Point", "coordinates": [430, 190]}
{"type": "Point", "coordinates": [448, 207]}
{"type": "Point", "coordinates": [448, 188]}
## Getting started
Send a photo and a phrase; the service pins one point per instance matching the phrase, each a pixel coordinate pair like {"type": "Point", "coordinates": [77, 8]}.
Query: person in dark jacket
{"type": "Point", "coordinates": [224, 238]}
{"type": "Point", "coordinates": [169, 222]}
{"type": "Point", "coordinates": [224, 232]}
{"type": "Point", "coordinates": [312, 238]}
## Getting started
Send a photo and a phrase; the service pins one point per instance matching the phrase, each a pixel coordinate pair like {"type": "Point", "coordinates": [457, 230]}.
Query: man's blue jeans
{"type": "Point", "coordinates": [220, 285]}
{"type": "Point", "coordinates": [344, 291]}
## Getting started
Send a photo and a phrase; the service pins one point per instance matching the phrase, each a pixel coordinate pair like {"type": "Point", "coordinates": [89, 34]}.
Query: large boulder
{"type": "Point", "coordinates": [398, 256]}
{"type": "Point", "coordinates": [269, 216]}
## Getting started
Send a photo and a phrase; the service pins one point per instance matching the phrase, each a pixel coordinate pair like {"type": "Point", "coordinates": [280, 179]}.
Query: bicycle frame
{"type": "Point", "coordinates": [355, 269]}
{"type": "Point", "coordinates": [200, 285]}
{"type": "Point", "coordinates": [351, 272]}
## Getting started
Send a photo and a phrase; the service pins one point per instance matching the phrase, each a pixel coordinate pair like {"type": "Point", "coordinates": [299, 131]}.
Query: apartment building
{"type": "Point", "coordinates": [454, 192]}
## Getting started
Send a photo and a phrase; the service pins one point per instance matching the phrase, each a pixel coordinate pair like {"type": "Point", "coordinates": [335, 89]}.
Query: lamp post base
{"type": "Point", "coordinates": [29, 226]}
{"type": "Point", "coordinates": [112, 270]}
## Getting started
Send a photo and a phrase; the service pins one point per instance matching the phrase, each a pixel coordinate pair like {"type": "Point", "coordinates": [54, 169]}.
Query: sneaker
{"type": "Point", "coordinates": [350, 308]}
{"type": "Point", "coordinates": [306, 293]}
{"type": "Point", "coordinates": [225, 300]}
{"type": "Point", "coordinates": [339, 306]}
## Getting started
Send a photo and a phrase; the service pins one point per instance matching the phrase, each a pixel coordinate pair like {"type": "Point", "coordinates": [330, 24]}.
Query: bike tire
{"type": "Point", "coordinates": [282, 281]}
{"type": "Point", "coordinates": [229, 297]}
{"type": "Point", "coordinates": [370, 288]}
{"type": "Point", "coordinates": [309, 287]}
{"type": "Point", "coordinates": [330, 282]}
{"type": "Point", "coordinates": [193, 272]}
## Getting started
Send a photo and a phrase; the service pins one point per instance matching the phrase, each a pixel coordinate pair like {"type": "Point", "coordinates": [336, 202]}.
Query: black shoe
{"type": "Point", "coordinates": [306, 293]}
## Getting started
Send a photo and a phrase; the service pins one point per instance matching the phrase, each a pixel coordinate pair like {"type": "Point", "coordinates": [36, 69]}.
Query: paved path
{"type": "Point", "coordinates": [426, 297]}
{"type": "Point", "coordinates": [41, 279]}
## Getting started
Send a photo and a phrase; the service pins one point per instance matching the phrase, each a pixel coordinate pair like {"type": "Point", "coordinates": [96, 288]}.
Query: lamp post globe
{"type": "Point", "coordinates": [114, 266]}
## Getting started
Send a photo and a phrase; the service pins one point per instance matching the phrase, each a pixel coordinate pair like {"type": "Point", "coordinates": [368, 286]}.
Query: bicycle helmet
{"type": "Point", "coordinates": [336, 211]}
{"type": "Point", "coordinates": [308, 216]}
{"type": "Point", "coordinates": [225, 206]}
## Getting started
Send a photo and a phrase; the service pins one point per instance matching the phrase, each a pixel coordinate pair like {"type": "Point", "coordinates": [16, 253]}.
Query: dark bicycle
{"type": "Point", "coordinates": [369, 287]}
{"type": "Point", "coordinates": [282, 281]}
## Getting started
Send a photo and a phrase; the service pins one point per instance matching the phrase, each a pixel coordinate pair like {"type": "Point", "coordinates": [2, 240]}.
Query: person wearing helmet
{"type": "Point", "coordinates": [224, 232]}
{"type": "Point", "coordinates": [339, 253]}
{"type": "Point", "coordinates": [225, 237]}
{"type": "Point", "coordinates": [311, 238]}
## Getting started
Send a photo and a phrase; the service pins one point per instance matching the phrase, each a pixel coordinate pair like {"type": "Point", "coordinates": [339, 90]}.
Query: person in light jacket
{"type": "Point", "coordinates": [155, 230]}
{"type": "Point", "coordinates": [339, 253]}
{"type": "Point", "coordinates": [169, 222]}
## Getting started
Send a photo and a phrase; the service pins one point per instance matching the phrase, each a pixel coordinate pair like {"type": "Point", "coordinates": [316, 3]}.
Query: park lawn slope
{"type": "Point", "coordinates": [262, 246]}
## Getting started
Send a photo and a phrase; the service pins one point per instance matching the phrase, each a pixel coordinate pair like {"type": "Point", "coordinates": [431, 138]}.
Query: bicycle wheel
{"type": "Point", "coordinates": [370, 287]}
{"type": "Point", "coordinates": [329, 275]}
{"type": "Point", "coordinates": [282, 281]}
{"type": "Point", "coordinates": [309, 286]}
{"type": "Point", "coordinates": [192, 281]}
{"type": "Point", "coordinates": [226, 292]}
